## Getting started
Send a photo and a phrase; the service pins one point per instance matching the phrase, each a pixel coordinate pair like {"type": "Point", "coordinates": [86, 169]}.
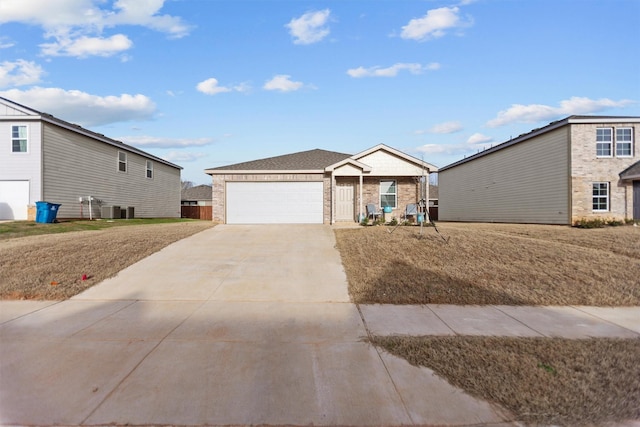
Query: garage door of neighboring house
{"type": "Point", "coordinates": [274, 203]}
{"type": "Point", "coordinates": [14, 198]}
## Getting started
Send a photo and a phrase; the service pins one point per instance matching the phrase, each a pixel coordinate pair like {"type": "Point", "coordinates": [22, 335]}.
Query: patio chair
{"type": "Point", "coordinates": [372, 212]}
{"type": "Point", "coordinates": [411, 210]}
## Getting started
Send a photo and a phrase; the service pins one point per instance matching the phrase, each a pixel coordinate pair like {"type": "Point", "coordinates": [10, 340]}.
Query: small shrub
{"type": "Point", "coordinates": [393, 222]}
{"type": "Point", "coordinates": [365, 221]}
{"type": "Point", "coordinates": [614, 222]}
{"type": "Point", "coordinates": [589, 223]}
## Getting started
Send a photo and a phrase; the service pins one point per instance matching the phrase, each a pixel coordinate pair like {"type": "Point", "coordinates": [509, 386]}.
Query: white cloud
{"type": "Point", "coordinates": [283, 83]}
{"type": "Point", "coordinates": [211, 87]}
{"type": "Point", "coordinates": [446, 127]}
{"type": "Point", "coordinates": [83, 108]}
{"type": "Point", "coordinates": [83, 46]}
{"type": "Point", "coordinates": [533, 113]}
{"type": "Point", "coordinates": [434, 24]}
{"type": "Point", "coordinates": [181, 156]}
{"type": "Point", "coordinates": [310, 27]}
{"type": "Point", "coordinates": [391, 71]}
{"type": "Point", "coordinates": [478, 138]}
{"type": "Point", "coordinates": [19, 73]}
{"type": "Point", "coordinates": [5, 42]}
{"type": "Point", "coordinates": [76, 26]}
{"type": "Point", "coordinates": [160, 142]}
{"type": "Point", "coordinates": [435, 149]}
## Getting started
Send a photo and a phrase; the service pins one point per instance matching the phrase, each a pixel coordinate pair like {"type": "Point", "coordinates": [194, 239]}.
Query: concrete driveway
{"type": "Point", "coordinates": [234, 325]}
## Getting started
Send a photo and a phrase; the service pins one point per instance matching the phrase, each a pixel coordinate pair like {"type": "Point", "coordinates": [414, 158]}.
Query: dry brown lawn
{"type": "Point", "coordinates": [492, 264]}
{"type": "Point", "coordinates": [540, 380]}
{"type": "Point", "coordinates": [51, 266]}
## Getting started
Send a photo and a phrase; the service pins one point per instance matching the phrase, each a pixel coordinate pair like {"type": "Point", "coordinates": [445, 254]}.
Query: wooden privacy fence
{"type": "Point", "coordinates": [197, 212]}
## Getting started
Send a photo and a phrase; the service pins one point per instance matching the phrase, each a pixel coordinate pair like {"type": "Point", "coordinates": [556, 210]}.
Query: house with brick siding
{"type": "Point", "coordinates": [318, 186]}
{"type": "Point", "coordinates": [580, 167]}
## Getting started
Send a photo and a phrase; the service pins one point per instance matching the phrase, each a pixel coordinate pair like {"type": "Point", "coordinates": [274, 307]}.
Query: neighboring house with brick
{"type": "Point", "coordinates": [43, 158]}
{"type": "Point", "coordinates": [318, 186]}
{"type": "Point", "coordinates": [580, 167]}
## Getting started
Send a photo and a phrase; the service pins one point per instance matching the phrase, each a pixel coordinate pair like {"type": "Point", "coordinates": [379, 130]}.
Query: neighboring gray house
{"type": "Point", "coordinates": [318, 186]}
{"type": "Point", "coordinates": [200, 195]}
{"type": "Point", "coordinates": [580, 167]}
{"type": "Point", "coordinates": [43, 158]}
{"type": "Point", "coordinates": [196, 202]}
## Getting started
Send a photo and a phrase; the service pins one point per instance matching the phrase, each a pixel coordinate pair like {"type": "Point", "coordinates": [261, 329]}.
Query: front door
{"type": "Point", "coordinates": [636, 200]}
{"type": "Point", "coordinates": [344, 202]}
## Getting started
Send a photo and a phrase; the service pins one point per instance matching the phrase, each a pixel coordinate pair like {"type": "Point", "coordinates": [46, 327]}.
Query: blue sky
{"type": "Point", "coordinates": [205, 83]}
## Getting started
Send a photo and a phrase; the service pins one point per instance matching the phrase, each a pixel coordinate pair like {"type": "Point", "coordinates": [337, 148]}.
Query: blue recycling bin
{"type": "Point", "coordinates": [46, 212]}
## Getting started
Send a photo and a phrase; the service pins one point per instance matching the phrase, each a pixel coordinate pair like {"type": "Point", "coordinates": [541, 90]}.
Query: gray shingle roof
{"type": "Point", "coordinates": [305, 160]}
{"type": "Point", "coordinates": [199, 192]}
{"type": "Point", "coordinates": [631, 171]}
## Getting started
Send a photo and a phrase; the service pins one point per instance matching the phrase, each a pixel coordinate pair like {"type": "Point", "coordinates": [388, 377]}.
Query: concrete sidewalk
{"type": "Point", "coordinates": [510, 321]}
{"type": "Point", "coordinates": [236, 325]}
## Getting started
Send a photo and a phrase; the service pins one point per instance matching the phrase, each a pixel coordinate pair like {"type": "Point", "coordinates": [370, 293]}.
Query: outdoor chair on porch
{"type": "Point", "coordinates": [411, 210]}
{"type": "Point", "coordinates": [372, 212]}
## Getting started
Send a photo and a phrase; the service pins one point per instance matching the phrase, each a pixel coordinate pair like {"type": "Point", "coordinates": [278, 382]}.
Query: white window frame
{"type": "Point", "coordinates": [629, 143]}
{"type": "Point", "coordinates": [602, 143]}
{"type": "Point", "coordinates": [122, 162]}
{"type": "Point", "coordinates": [395, 195]}
{"type": "Point", "coordinates": [25, 139]}
{"type": "Point", "coordinates": [600, 196]}
{"type": "Point", "coordinates": [149, 169]}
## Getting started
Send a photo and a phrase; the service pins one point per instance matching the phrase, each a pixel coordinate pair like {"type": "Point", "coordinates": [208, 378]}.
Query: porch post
{"type": "Point", "coordinates": [360, 198]}
{"type": "Point", "coordinates": [333, 198]}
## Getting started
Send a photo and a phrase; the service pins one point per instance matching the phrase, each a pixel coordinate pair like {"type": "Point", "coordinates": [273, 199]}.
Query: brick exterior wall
{"type": "Point", "coordinates": [587, 168]}
{"type": "Point", "coordinates": [408, 192]}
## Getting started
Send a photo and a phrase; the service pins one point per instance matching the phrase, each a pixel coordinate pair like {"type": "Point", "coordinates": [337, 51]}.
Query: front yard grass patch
{"type": "Point", "coordinates": [540, 380]}
{"type": "Point", "coordinates": [507, 264]}
{"type": "Point", "coordinates": [51, 266]}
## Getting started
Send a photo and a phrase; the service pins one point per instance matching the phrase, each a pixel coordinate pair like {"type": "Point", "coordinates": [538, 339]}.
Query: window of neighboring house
{"type": "Point", "coordinates": [603, 142]}
{"type": "Point", "coordinates": [122, 161]}
{"type": "Point", "coordinates": [388, 194]}
{"type": "Point", "coordinates": [19, 139]}
{"type": "Point", "coordinates": [624, 142]}
{"type": "Point", "coordinates": [600, 196]}
{"type": "Point", "coordinates": [149, 169]}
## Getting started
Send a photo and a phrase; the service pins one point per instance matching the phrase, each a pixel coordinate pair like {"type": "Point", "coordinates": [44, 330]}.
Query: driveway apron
{"type": "Point", "coordinates": [235, 325]}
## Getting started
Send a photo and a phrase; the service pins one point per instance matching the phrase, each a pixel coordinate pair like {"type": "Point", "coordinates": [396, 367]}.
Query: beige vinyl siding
{"type": "Point", "coordinates": [525, 183]}
{"type": "Point", "coordinates": [22, 166]}
{"type": "Point", "coordinates": [77, 166]}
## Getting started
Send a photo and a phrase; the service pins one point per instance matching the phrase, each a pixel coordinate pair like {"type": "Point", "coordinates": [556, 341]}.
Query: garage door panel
{"type": "Point", "coordinates": [14, 198]}
{"type": "Point", "coordinates": [274, 202]}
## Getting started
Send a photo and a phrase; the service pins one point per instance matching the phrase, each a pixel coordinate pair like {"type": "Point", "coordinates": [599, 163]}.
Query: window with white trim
{"type": "Point", "coordinates": [149, 169]}
{"type": "Point", "coordinates": [603, 142]}
{"type": "Point", "coordinates": [600, 197]}
{"type": "Point", "coordinates": [388, 194]}
{"type": "Point", "coordinates": [624, 142]}
{"type": "Point", "coordinates": [19, 139]}
{"type": "Point", "coordinates": [122, 161]}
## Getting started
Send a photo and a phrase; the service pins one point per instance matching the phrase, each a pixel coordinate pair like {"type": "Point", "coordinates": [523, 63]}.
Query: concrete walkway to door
{"type": "Point", "coordinates": [235, 325]}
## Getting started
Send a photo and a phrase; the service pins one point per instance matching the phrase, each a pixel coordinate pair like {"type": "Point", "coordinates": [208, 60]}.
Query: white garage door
{"type": "Point", "coordinates": [274, 203]}
{"type": "Point", "coordinates": [14, 198]}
